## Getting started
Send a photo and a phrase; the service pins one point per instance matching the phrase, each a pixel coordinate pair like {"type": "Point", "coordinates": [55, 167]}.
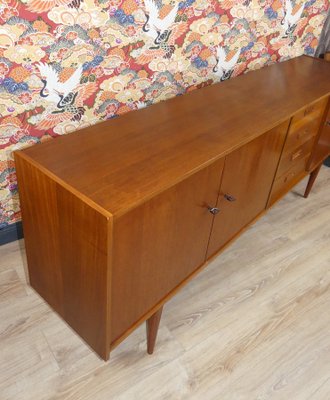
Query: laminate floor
{"type": "Point", "coordinates": [254, 325]}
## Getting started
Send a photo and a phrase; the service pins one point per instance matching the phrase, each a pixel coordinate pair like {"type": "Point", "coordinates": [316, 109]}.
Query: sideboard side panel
{"type": "Point", "coordinates": [67, 244]}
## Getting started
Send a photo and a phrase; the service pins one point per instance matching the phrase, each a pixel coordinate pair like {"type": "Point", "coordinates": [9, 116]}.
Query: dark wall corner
{"type": "Point", "coordinates": [10, 233]}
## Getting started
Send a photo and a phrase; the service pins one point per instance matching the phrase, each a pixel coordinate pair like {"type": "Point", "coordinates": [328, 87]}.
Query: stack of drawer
{"type": "Point", "coordinates": [297, 148]}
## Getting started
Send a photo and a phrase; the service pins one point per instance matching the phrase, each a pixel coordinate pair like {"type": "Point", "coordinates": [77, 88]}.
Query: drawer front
{"type": "Point", "coordinates": [309, 114]}
{"type": "Point", "coordinates": [285, 182]}
{"type": "Point", "coordinates": [294, 156]}
{"type": "Point", "coordinates": [305, 125]}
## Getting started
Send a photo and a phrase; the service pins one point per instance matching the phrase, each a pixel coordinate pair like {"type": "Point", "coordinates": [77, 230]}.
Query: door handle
{"type": "Point", "coordinates": [213, 210]}
{"type": "Point", "coordinates": [230, 198]}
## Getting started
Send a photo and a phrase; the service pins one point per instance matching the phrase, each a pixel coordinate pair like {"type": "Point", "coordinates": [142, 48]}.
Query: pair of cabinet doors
{"type": "Point", "coordinates": [160, 243]}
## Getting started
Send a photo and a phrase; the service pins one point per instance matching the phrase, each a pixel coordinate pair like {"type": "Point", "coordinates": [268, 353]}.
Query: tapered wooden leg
{"type": "Point", "coordinates": [152, 329]}
{"type": "Point", "coordinates": [312, 178]}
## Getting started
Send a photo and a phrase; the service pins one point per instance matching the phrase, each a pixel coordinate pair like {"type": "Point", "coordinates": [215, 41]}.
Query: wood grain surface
{"type": "Point", "coordinates": [246, 183]}
{"type": "Point", "coordinates": [159, 244]}
{"type": "Point", "coordinates": [123, 162]}
{"type": "Point", "coordinates": [69, 265]}
{"type": "Point", "coordinates": [252, 326]}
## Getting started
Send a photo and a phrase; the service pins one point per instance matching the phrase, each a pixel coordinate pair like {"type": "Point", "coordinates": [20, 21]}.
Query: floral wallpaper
{"type": "Point", "coordinates": [66, 64]}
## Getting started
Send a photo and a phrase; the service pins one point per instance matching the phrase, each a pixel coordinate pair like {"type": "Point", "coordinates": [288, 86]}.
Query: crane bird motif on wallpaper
{"type": "Point", "coordinates": [224, 68]}
{"type": "Point", "coordinates": [54, 91]}
{"type": "Point", "coordinates": [66, 98]}
{"type": "Point", "coordinates": [159, 29]}
{"type": "Point", "coordinates": [290, 20]}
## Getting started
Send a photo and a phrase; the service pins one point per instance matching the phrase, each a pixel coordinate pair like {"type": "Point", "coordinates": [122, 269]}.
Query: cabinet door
{"type": "Point", "coordinates": [247, 179]}
{"type": "Point", "coordinates": [159, 244]}
{"type": "Point", "coordinates": [322, 146]}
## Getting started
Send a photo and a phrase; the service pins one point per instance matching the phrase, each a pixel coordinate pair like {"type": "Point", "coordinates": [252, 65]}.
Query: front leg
{"type": "Point", "coordinates": [152, 330]}
{"type": "Point", "coordinates": [312, 178]}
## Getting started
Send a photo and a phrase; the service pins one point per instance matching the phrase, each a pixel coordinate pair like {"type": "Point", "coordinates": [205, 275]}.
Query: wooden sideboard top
{"type": "Point", "coordinates": [117, 164]}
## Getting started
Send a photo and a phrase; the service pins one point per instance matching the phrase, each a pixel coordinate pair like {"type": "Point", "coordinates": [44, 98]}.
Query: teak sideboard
{"type": "Point", "coordinates": [119, 216]}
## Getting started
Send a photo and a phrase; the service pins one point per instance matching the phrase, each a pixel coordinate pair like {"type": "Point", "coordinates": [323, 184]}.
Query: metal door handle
{"type": "Point", "coordinates": [230, 198]}
{"type": "Point", "coordinates": [213, 210]}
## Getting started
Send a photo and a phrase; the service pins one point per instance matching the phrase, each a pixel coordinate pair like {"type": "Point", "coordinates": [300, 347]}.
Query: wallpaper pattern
{"type": "Point", "coordinates": [66, 64]}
